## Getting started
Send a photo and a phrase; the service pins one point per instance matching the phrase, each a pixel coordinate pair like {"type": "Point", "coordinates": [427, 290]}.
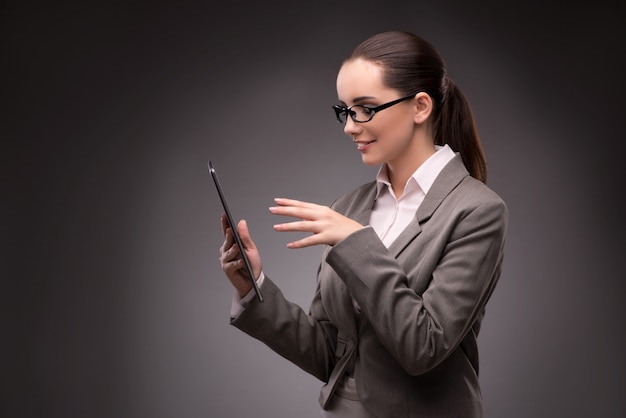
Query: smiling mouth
{"type": "Point", "coordinates": [361, 145]}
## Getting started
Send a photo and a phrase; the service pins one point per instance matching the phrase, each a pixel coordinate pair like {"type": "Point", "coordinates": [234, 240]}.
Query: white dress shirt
{"type": "Point", "coordinates": [390, 215]}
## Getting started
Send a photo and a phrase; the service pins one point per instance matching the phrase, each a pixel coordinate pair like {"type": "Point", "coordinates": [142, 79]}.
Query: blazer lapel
{"type": "Point", "coordinates": [363, 210]}
{"type": "Point", "coordinates": [446, 181]}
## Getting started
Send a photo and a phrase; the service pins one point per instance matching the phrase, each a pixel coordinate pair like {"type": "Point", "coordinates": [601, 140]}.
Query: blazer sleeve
{"type": "Point", "coordinates": [307, 340]}
{"type": "Point", "coordinates": [422, 329]}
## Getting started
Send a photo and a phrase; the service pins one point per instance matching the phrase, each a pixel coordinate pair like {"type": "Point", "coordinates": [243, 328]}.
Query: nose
{"type": "Point", "coordinates": [351, 128]}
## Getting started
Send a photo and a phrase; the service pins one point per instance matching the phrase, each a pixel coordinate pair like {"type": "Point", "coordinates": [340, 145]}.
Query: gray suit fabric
{"type": "Point", "coordinates": [422, 300]}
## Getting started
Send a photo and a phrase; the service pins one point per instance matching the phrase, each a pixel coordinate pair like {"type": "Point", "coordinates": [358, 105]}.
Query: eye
{"type": "Point", "coordinates": [362, 113]}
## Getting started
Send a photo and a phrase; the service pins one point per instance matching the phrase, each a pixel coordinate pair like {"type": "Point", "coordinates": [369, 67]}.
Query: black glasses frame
{"type": "Point", "coordinates": [339, 110]}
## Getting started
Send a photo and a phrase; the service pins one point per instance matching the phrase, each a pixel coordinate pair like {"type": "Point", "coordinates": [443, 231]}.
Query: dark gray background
{"type": "Point", "coordinates": [113, 303]}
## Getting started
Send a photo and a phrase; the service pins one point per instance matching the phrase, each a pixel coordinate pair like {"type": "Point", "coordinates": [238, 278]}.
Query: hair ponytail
{"type": "Point", "coordinates": [411, 65]}
{"type": "Point", "coordinates": [454, 124]}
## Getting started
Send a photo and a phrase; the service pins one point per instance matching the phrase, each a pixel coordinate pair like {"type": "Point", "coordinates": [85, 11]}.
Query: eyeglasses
{"type": "Point", "coordinates": [363, 113]}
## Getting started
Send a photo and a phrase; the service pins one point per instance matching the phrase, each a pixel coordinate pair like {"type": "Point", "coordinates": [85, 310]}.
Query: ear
{"type": "Point", "coordinates": [423, 107]}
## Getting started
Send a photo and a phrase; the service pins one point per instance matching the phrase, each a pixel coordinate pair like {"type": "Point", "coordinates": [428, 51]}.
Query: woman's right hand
{"type": "Point", "coordinates": [232, 261]}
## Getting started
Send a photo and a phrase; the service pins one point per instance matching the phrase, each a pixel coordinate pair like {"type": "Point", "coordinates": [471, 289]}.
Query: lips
{"type": "Point", "coordinates": [363, 145]}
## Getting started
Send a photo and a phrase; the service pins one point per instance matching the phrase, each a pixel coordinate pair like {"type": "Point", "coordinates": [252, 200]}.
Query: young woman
{"type": "Point", "coordinates": [411, 258]}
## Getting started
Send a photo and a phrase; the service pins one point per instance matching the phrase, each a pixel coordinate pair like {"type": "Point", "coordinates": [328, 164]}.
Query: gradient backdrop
{"type": "Point", "coordinates": [112, 299]}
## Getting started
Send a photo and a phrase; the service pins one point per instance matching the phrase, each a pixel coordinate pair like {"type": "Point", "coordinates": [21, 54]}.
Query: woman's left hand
{"type": "Point", "coordinates": [327, 226]}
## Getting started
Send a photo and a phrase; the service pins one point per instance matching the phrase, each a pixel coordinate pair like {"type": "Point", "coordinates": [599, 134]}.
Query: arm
{"type": "Point", "coordinates": [421, 330]}
{"type": "Point", "coordinates": [307, 340]}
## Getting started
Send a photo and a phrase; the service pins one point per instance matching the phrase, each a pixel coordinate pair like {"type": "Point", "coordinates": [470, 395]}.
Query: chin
{"type": "Point", "coordinates": [370, 161]}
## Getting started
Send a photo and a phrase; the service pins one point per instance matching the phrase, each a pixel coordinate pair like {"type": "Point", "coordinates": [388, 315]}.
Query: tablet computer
{"type": "Point", "coordinates": [233, 227]}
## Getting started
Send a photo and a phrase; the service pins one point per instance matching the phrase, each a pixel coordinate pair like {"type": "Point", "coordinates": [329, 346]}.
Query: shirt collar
{"type": "Point", "coordinates": [424, 176]}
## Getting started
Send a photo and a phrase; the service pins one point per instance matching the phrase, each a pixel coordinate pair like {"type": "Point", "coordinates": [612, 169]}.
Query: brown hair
{"type": "Point", "coordinates": [412, 65]}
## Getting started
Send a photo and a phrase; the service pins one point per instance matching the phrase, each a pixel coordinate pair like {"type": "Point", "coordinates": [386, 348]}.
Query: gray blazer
{"type": "Point", "coordinates": [413, 348]}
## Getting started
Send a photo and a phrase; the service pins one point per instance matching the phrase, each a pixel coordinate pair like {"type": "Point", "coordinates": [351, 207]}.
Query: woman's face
{"type": "Point", "coordinates": [388, 136]}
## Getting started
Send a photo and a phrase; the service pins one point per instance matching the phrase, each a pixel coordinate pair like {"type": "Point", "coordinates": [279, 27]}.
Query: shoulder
{"type": "Point", "coordinates": [474, 202]}
{"type": "Point", "coordinates": [456, 190]}
{"type": "Point", "coordinates": [455, 178]}
{"type": "Point", "coordinates": [457, 196]}
{"type": "Point", "coordinates": [477, 193]}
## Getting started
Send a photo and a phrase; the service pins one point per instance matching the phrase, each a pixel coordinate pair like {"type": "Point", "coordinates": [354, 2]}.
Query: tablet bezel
{"type": "Point", "coordinates": [232, 224]}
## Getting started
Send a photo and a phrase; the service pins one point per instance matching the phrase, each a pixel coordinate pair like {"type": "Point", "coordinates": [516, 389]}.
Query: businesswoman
{"type": "Point", "coordinates": [411, 258]}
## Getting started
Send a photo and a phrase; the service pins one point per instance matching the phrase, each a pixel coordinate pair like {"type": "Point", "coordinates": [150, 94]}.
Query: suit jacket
{"type": "Point", "coordinates": [413, 348]}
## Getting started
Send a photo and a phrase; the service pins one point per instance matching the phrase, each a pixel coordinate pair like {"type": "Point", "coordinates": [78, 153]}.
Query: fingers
{"type": "Point", "coordinates": [229, 248]}
{"type": "Point", "coordinates": [309, 241]}
{"type": "Point", "coordinates": [228, 251]}
{"type": "Point", "coordinates": [326, 225]}
{"type": "Point", "coordinates": [314, 218]}
{"type": "Point", "coordinates": [229, 239]}
{"type": "Point", "coordinates": [230, 258]}
{"type": "Point", "coordinates": [298, 209]}
{"type": "Point", "coordinates": [292, 202]}
{"type": "Point", "coordinates": [224, 222]}
{"type": "Point", "coordinates": [232, 266]}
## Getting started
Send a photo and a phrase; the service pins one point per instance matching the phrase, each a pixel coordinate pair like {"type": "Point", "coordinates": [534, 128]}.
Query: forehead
{"type": "Point", "coordinates": [360, 78]}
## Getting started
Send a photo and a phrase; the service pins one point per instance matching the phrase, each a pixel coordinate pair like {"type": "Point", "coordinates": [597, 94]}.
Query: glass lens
{"type": "Point", "coordinates": [341, 113]}
{"type": "Point", "coordinates": [358, 113]}
{"type": "Point", "coordinates": [361, 113]}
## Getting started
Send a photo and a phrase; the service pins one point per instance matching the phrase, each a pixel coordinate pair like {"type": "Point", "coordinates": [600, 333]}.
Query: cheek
{"type": "Point", "coordinates": [397, 129]}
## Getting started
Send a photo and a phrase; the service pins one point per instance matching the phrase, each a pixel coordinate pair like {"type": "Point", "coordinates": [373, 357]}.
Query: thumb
{"type": "Point", "coordinates": [244, 234]}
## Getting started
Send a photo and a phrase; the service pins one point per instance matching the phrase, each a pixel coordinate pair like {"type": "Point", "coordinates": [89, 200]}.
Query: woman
{"type": "Point", "coordinates": [411, 258]}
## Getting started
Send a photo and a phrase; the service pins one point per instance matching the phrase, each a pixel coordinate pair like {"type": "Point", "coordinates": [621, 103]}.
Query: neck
{"type": "Point", "coordinates": [400, 170]}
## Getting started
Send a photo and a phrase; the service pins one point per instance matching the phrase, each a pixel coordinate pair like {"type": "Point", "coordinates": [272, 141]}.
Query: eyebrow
{"type": "Point", "coordinates": [359, 99]}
